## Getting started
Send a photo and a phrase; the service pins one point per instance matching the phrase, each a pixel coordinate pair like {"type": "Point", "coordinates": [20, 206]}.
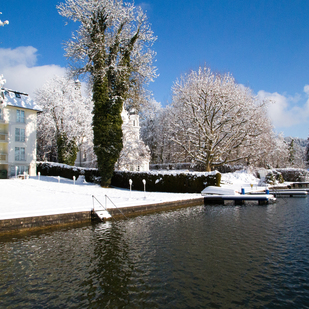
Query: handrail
{"type": "Point", "coordinates": [94, 198]}
{"type": "Point", "coordinates": [106, 197]}
{"type": "Point", "coordinates": [115, 206]}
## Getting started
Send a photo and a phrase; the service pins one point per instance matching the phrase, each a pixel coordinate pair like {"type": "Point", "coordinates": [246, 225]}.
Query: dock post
{"type": "Point", "coordinates": [263, 202]}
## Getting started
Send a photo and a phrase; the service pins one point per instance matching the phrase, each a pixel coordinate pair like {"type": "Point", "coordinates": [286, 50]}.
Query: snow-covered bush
{"type": "Point", "coordinates": [294, 174]}
{"type": "Point", "coordinates": [164, 182]}
{"type": "Point", "coordinates": [271, 177]}
{"type": "Point", "coordinates": [66, 171]}
{"type": "Point", "coordinates": [213, 180]}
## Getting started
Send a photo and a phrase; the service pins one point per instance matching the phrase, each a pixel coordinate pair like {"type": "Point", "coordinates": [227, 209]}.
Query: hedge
{"type": "Point", "coordinates": [66, 171]}
{"type": "Point", "coordinates": [159, 182]}
{"type": "Point", "coordinates": [155, 182]}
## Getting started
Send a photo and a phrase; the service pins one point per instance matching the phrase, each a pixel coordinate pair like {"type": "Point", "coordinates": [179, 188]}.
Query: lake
{"type": "Point", "coordinates": [199, 257]}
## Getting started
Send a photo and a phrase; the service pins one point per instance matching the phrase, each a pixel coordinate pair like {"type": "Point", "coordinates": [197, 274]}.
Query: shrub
{"type": "Point", "coordinates": [3, 174]}
{"type": "Point", "coordinates": [66, 171]}
{"type": "Point", "coordinates": [294, 174]}
{"type": "Point", "coordinates": [273, 177]}
{"type": "Point", "coordinates": [178, 183]}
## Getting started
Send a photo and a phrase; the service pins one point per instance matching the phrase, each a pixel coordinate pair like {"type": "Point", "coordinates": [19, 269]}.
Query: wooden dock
{"type": "Point", "coordinates": [300, 185]}
{"type": "Point", "coordinates": [286, 193]}
{"type": "Point", "coordinates": [262, 199]}
{"type": "Point", "coordinates": [289, 193]}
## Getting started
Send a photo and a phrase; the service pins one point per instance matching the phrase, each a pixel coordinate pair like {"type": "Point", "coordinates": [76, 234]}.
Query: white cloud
{"type": "Point", "coordinates": [19, 69]}
{"type": "Point", "coordinates": [25, 55]}
{"type": "Point", "coordinates": [287, 111]}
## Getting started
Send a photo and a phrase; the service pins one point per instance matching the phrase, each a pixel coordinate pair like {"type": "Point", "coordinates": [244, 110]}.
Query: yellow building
{"type": "Point", "coordinates": [18, 126]}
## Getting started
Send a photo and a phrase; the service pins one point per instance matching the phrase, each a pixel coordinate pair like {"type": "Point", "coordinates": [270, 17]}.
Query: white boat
{"type": "Point", "coordinates": [212, 190]}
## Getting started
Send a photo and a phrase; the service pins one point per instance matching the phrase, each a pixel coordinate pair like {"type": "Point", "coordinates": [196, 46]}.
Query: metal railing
{"type": "Point", "coordinates": [104, 207]}
{"type": "Point", "coordinates": [3, 137]}
{"type": "Point", "coordinates": [3, 157]}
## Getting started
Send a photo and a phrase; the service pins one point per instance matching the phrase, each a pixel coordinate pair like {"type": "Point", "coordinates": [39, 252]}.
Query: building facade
{"type": "Point", "coordinates": [18, 126]}
{"type": "Point", "coordinates": [135, 155]}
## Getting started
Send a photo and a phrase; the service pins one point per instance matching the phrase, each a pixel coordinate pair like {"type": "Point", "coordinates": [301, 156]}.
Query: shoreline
{"type": "Point", "coordinates": [51, 201]}
{"type": "Point", "coordinates": [14, 225]}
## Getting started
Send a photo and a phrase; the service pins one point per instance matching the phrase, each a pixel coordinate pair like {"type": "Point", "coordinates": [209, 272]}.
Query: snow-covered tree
{"type": "Point", "coordinates": [155, 132]}
{"type": "Point", "coordinates": [135, 155]}
{"type": "Point", "coordinates": [216, 121]}
{"type": "Point", "coordinates": [283, 152]}
{"type": "Point", "coordinates": [291, 152]}
{"type": "Point", "coordinates": [307, 153]}
{"type": "Point", "coordinates": [277, 153]}
{"type": "Point", "coordinates": [65, 123]}
{"type": "Point", "coordinates": [2, 23]}
{"type": "Point", "coordinates": [149, 121]}
{"type": "Point", "coordinates": [113, 45]}
{"type": "Point", "coordinates": [2, 82]}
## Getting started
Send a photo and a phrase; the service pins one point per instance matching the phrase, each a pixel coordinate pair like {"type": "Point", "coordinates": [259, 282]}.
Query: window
{"type": "Point", "coordinates": [20, 116]}
{"type": "Point", "coordinates": [19, 135]}
{"type": "Point", "coordinates": [22, 169]}
{"type": "Point", "coordinates": [20, 154]}
{"type": "Point", "coordinates": [17, 95]}
{"type": "Point", "coordinates": [18, 169]}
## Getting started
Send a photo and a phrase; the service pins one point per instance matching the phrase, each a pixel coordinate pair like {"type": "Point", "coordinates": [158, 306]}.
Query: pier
{"type": "Point", "coordinates": [262, 199]}
{"type": "Point", "coordinates": [286, 193]}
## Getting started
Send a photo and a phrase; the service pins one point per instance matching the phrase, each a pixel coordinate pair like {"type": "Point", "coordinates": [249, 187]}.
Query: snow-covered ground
{"type": "Point", "coordinates": [34, 197]}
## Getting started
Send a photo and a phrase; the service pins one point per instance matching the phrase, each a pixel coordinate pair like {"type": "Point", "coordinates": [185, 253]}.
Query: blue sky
{"type": "Point", "coordinates": [264, 44]}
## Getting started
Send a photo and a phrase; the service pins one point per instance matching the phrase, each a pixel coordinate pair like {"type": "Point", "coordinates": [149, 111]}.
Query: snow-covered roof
{"type": "Point", "coordinates": [19, 99]}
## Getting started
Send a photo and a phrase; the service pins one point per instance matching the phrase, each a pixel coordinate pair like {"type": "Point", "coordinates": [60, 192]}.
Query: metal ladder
{"type": "Point", "coordinates": [104, 214]}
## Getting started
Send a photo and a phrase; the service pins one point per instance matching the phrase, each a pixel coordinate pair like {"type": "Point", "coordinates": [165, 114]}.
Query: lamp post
{"type": "Point", "coordinates": [130, 183]}
{"type": "Point", "coordinates": [144, 182]}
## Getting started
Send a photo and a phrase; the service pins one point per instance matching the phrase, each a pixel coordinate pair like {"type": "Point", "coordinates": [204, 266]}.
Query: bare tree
{"type": "Point", "coordinates": [216, 121]}
{"type": "Point", "coordinates": [65, 123]}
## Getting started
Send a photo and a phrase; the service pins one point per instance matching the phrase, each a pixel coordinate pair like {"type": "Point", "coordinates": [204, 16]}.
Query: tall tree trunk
{"type": "Point", "coordinates": [106, 129]}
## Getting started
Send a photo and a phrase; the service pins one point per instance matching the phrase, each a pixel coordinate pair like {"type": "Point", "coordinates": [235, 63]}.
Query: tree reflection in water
{"type": "Point", "coordinates": [110, 268]}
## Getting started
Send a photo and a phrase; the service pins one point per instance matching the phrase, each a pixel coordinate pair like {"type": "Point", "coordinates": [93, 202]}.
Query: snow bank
{"type": "Point", "coordinates": [33, 197]}
{"type": "Point", "coordinates": [240, 177]}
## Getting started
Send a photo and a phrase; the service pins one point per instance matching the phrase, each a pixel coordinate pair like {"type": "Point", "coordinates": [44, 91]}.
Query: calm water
{"type": "Point", "coordinates": [201, 257]}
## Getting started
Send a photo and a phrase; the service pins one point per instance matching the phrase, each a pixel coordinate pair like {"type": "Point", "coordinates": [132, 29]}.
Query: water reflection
{"type": "Point", "coordinates": [109, 270]}
{"type": "Point", "coordinates": [199, 257]}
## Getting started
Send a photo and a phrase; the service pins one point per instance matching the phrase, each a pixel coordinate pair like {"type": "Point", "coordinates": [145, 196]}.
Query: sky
{"type": "Point", "coordinates": [264, 44]}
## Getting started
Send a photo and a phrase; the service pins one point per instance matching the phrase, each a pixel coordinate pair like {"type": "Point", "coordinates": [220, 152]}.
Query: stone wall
{"type": "Point", "coordinates": [11, 225]}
